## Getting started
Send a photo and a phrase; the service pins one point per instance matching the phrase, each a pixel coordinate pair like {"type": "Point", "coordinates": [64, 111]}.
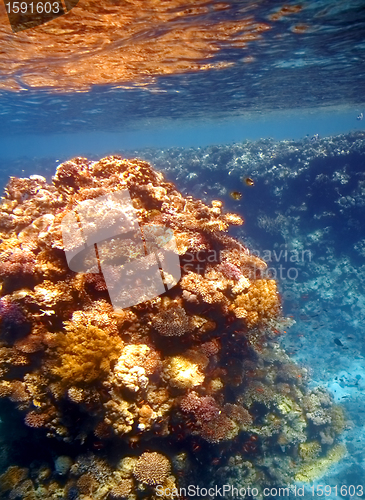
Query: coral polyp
{"type": "Point", "coordinates": [132, 396]}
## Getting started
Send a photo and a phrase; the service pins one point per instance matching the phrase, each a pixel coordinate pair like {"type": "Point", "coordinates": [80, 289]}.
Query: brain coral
{"type": "Point", "coordinates": [191, 368]}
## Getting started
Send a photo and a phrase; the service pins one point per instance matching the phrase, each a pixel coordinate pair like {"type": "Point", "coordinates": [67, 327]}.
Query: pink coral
{"type": "Point", "coordinates": [17, 263]}
{"type": "Point", "coordinates": [229, 270]}
{"type": "Point", "coordinates": [207, 409]}
{"type": "Point", "coordinates": [221, 428]}
{"type": "Point", "coordinates": [203, 408]}
{"type": "Point", "coordinates": [10, 313]}
{"type": "Point", "coordinates": [190, 403]}
{"type": "Point", "coordinates": [210, 348]}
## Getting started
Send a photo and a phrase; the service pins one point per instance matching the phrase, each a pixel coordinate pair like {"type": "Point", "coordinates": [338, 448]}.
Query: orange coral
{"type": "Point", "coordinates": [12, 477]}
{"type": "Point", "coordinates": [261, 302]}
{"type": "Point", "coordinates": [122, 489]}
{"type": "Point", "coordinates": [35, 419]}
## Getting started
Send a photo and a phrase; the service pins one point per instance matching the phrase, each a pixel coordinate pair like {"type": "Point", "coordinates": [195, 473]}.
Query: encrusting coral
{"type": "Point", "coordinates": [195, 370]}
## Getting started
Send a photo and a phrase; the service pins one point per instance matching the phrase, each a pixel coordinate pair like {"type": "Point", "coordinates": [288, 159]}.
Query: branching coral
{"type": "Point", "coordinates": [172, 321]}
{"type": "Point", "coordinates": [152, 468]}
{"type": "Point", "coordinates": [122, 489]}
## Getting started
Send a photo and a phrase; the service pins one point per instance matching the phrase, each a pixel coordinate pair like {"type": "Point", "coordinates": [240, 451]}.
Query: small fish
{"type": "Point", "coordinates": [315, 138]}
{"type": "Point", "coordinates": [236, 195]}
{"type": "Point", "coordinates": [360, 116]}
{"type": "Point", "coordinates": [249, 181]}
{"type": "Point", "coordinates": [338, 342]}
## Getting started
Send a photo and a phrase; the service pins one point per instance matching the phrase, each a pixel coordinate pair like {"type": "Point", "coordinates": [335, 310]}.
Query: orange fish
{"type": "Point", "coordinates": [236, 195]}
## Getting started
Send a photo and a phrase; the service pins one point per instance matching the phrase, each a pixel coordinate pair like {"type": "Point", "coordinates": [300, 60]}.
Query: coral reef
{"type": "Point", "coordinates": [194, 372]}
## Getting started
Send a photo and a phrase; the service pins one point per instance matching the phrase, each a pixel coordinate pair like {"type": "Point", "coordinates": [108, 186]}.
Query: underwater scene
{"type": "Point", "coordinates": [182, 249]}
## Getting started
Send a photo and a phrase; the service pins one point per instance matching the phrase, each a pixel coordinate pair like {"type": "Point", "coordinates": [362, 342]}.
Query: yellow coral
{"type": "Point", "coordinates": [48, 294]}
{"type": "Point", "coordinates": [122, 489]}
{"type": "Point", "coordinates": [129, 371]}
{"type": "Point", "coordinates": [5, 388]}
{"type": "Point", "coordinates": [127, 368]}
{"type": "Point", "coordinates": [338, 419]}
{"type": "Point", "coordinates": [85, 353]}
{"type": "Point", "coordinates": [318, 467]}
{"type": "Point", "coordinates": [261, 302]}
{"type": "Point", "coordinates": [119, 414]}
{"type": "Point", "coordinates": [183, 372]}
{"type": "Point", "coordinates": [126, 466]}
{"type": "Point", "coordinates": [309, 450]}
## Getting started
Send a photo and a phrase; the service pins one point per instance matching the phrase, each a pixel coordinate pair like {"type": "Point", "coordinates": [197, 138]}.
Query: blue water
{"type": "Point", "coordinates": [293, 124]}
